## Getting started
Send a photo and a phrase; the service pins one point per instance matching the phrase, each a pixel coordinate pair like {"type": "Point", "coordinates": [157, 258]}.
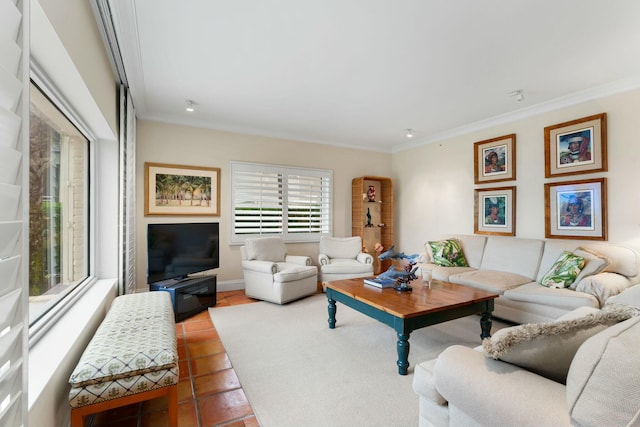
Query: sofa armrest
{"type": "Point", "coordinates": [364, 258]}
{"type": "Point", "coordinates": [492, 393]}
{"type": "Point", "coordinates": [323, 259]}
{"type": "Point", "coordinates": [298, 259]}
{"type": "Point", "coordinates": [603, 285]}
{"type": "Point", "coordinates": [260, 266]}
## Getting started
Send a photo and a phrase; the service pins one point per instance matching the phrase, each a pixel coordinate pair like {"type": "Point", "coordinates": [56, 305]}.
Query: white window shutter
{"type": "Point", "coordinates": [14, 144]}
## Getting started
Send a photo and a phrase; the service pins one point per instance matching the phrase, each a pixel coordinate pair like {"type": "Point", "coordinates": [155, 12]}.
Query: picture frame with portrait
{"type": "Point", "coordinates": [495, 159]}
{"type": "Point", "coordinates": [494, 211]}
{"type": "Point", "coordinates": [576, 209]}
{"type": "Point", "coordinates": [576, 147]}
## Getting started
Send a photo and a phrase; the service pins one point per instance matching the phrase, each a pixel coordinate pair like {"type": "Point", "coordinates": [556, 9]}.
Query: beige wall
{"type": "Point", "coordinates": [167, 143]}
{"type": "Point", "coordinates": [76, 27]}
{"type": "Point", "coordinates": [435, 190]}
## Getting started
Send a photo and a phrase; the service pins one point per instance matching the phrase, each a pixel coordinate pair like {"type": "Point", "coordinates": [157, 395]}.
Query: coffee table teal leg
{"type": "Point", "coordinates": [332, 313]}
{"type": "Point", "coordinates": [403, 353]}
{"type": "Point", "coordinates": [485, 325]}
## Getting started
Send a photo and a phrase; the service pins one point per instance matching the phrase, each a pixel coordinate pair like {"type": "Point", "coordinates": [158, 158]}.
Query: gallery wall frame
{"type": "Point", "coordinates": [576, 147]}
{"type": "Point", "coordinates": [495, 159]}
{"type": "Point", "coordinates": [494, 211]}
{"type": "Point", "coordinates": [576, 209]}
{"type": "Point", "coordinates": [181, 190]}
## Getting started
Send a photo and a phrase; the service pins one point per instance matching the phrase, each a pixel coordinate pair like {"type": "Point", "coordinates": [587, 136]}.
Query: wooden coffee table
{"type": "Point", "coordinates": [408, 311]}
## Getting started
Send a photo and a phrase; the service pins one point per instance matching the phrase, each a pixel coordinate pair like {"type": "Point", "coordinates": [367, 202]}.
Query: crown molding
{"type": "Point", "coordinates": [609, 89]}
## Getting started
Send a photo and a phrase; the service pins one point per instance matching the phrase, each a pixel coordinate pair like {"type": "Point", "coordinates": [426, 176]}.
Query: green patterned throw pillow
{"type": "Point", "coordinates": [448, 253]}
{"type": "Point", "coordinates": [564, 271]}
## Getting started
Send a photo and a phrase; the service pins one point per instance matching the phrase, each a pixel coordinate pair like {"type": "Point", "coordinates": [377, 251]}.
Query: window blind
{"type": "Point", "coordinates": [127, 267]}
{"type": "Point", "coordinates": [275, 200]}
{"type": "Point", "coordinates": [13, 191]}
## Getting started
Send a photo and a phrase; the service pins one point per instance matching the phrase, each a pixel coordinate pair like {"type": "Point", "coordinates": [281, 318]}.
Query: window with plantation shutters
{"type": "Point", "coordinates": [13, 230]}
{"type": "Point", "coordinates": [294, 203]}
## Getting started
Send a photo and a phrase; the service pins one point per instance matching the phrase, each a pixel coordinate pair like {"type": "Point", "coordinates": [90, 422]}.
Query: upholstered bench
{"type": "Point", "coordinates": [132, 357]}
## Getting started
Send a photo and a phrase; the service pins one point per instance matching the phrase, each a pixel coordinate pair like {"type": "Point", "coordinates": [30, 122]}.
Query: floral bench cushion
{"type": "Point", "coordinates": [136, 338]}
{"type": "Point", "coordinates": [108, 390]}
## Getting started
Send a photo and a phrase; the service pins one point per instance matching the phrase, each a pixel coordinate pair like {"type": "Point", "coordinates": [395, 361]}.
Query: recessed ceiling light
{"type": "Point", "coordinates": [409, 133]}
{"type": "Point", "coordinates": [517, 94]}
{"type": "Point", "coordinates": [190, 105]}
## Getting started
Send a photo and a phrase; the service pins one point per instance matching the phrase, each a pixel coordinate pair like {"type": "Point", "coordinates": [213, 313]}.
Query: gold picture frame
{"type": "Point", "coordinates": [495, 159]}
{"type": "Point", "coordinates": [576, 147]}
{"type": "Point", "coordinates": [181, 190]}
{"type": "Point", "coordinates": [576, 209]}
{"type": "Point", "coordinates": [494, 211]}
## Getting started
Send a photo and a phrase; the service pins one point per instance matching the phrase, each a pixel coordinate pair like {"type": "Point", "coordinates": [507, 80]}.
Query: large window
{"type": "Point", "coordinates": [276, 200]}
{"type": "Point", "coordinates": [58, 205]}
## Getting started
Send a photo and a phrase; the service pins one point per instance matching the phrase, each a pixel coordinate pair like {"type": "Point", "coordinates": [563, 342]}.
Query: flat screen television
{"type": "Point", "coordinates": [176, 250]}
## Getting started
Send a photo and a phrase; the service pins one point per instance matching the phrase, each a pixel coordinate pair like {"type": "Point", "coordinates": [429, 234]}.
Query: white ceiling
{"type": "Point", "coordinates": [359, 72]}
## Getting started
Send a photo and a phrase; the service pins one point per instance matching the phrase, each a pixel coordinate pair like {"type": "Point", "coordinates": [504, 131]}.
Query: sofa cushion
{"type": "Point", "coordinates": [594, 263]}
{"type": "Point", "coordinates": [489, 280]}
{"type": "Point", "coordinates": [291, 272]}
{"type": "Point", "coordinates": [448, 253]}
{"type": "Point", "coordinates": [444, 273]}
{"type": "Point", "coordinates": [602, 385]}
{"type": "Point", "coordinates": [548, 348]}
{"type": "Point", "coordinates": [566, 299]}
{"type": "Point", "coordinates": [513, 255]}
{"type": "Point", "coordinates": [630, 297]}
{"type": "Point", "coordinates": [346, 266]}
{"type": "Point", "coordinates": [564, 271]}
{"type": "Point", "coordinates": [266, 249]}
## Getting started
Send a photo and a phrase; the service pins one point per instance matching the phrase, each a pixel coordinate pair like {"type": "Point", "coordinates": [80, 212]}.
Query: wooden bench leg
{"type": "Point", "coordinates": [77, 418]}
{"type": "Point", "coordinates": [173, 406]}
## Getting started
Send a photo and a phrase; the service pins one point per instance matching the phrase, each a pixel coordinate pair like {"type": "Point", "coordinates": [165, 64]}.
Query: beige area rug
{"type": "Point", "coordinates": [297, 372]}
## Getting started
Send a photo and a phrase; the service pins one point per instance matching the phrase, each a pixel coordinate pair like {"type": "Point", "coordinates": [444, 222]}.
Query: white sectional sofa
{"type": "Point", "coordinates": [581, 370]}
{"type": "Point", "coordinates": [512, 267]}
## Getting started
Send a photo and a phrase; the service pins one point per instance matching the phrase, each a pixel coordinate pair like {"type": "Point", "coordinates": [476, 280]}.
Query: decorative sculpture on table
{"type": "Point", "coordinates": [369, 223]}
{"type": "Point", "coordinates": [404, 276]}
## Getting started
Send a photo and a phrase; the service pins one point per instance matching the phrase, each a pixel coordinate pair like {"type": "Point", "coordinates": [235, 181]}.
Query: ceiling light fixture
{"type": "Point", "coordinates": [517, 94]}
{"type": "Point", "coordinates": [409, 133]}
{"type": "Point", "coordinates": [190, 105]}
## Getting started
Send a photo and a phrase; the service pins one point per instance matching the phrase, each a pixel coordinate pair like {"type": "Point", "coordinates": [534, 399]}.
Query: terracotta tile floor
{"type": "Point", "coordinates": [209, 393]}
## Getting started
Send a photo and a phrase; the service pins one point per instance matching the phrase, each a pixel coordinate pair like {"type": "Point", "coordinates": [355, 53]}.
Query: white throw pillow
{"type": "Point", "coordinates": [548, 348]}
{"type": "Point", "coordinates": [594, 263]}
{"type": "Point", "coordinates": [603, 285]}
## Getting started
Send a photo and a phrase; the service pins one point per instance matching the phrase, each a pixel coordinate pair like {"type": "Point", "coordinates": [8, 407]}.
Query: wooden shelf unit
{"type": "Point", "coordinates": [381, 212]}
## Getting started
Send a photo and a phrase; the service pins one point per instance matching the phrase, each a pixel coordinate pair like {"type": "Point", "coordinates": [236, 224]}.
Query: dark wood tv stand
{"type": "Point", "coordinates": [189, 296]}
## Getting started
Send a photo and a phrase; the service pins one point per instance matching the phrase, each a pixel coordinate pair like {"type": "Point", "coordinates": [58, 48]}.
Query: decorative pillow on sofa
{"type": "Point", "coordinates": [594, 263]}
{"type": "Point", "coordinates": [564, 271]}
{"type": "Point", "coordinates": [548, 348]}
{"type": "Point", "coordinates": [448, 253]}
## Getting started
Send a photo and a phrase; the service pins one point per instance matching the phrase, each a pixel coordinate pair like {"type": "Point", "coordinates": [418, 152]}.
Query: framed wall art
{"type": "Point", "coordinates": [495, 159]}
{"type": "Point", "coordinates": [575, 147]}
{"type": "Point", "coordinates": [576, 210]}
{"type": "Point", "coordinates": [181, 190]}
{"type": "Point", "coordinates": [495, 211]}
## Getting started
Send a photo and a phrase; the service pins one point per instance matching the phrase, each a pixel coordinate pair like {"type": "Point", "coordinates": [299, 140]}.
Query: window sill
{"type": "Point", "coordinates": [54, 356]}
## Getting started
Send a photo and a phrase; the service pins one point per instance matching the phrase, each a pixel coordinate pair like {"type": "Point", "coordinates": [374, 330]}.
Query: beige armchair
{"type": "Point", "coordinates": [342, 258]}
{"type": "Point", "coordinates": [272, 275]}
